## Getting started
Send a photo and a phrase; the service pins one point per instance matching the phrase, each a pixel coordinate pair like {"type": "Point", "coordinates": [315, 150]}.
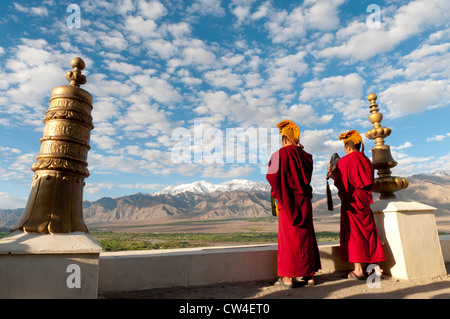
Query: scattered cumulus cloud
{"type": "Point", "coordinates": [155, 66]}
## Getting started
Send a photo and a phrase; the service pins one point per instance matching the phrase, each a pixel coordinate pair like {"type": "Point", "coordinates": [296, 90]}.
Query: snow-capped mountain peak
{"type": "Point", "coordinates": [206, 187]}
{"type": "Point", "coordinates": [441, 172]}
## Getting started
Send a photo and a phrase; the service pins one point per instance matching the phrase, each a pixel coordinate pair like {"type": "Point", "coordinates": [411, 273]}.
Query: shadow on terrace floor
{"type": "Point", "coordinates": [328, 286]}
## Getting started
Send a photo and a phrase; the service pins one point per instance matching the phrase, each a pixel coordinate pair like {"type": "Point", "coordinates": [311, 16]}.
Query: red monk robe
{"type": "Point", "coordinates": [289, 174]}
{"type": "Point", "coordinates": [359, 239]}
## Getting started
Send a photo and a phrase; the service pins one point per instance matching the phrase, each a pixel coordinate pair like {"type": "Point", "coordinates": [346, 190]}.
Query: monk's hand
{"type": "Point", "coordinates": [329, 172]}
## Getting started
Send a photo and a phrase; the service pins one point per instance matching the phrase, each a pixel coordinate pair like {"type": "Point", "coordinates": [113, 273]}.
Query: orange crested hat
{"type": "Point", "coordinates": [290, 130]}
{"type": "Point", "coordinates": [353, 136]}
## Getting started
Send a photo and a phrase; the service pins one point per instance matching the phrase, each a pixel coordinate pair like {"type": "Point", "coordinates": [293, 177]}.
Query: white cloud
{"type": "Point", "coordinates": [263, 11]}
{"type": "Point", "coordinates": [241, 13]}
{"type": "Point", "coordinates": [159, 89]}
{"type": "Point", "coordinates": [360, 42]}
{"type": "Point", "coordinates": [4, 151]}
{"type": "Point", "coordinates": [103, 142]}
{"type": "Point", "coordinates": [187, 78]}
{"type": "Point", "coordinates": [15, 165]}
{"type": "Point", "coordinates": [103, 6]}
{"type": "Point", "coordinates": [218, 102]}
{"type": "Point", "coordinates": [409, 165]}
{"type": "Point", "coordinates": [35, 11]}
{"type": "Point", "coordinates": [294, 63]}
{"type": "Point", "coordinates": [124, 6]}
{"type": "Point", "coordinates": [178, 30]}
{"type": "Point", "coordinates": [152, 10]}
{"type": "Point", "coordinates": [165, 49]}
{"type": "Point", "coordinates": [143, 121]}
{"type": "Point", "coordinates": [438, 138]}
{"type": "Point", "coordinates": [141, 29]}
{"type": "Point", "coordinates": [206, 7]}
{"type": "Point", "coordinates": [104, 128]}
{"type": "Point", "coordinates": [123, 67]}
{"type": "Point", "coordinates": [113, 40]}
{"type": "Point", "coordinates": [415, 96]}
{"type": "Point", "coordinates": [354, 111]}
{"type": "Point", "coordinates": [97, 188]}
{"type": "Point", "coordinates": [234, 171]}
{"type": "Point", "coordinates": [440, 35]}
{"type": "Point", "coordinates": [304, 115]}
{"type": "Point", "coordinates": [284, 26]}
{"type": "Point", "coordinates": [157, 65]}
{"type": "Point", "coordinates": [415, 16]}
{"type": "Point", "coordinates": [282, 70]}
{"type": "Point", "coordinates": [113, 164]}
{"type": "Point", "coordinates": [403, 146]}
{"type": "Point", "coordinates": [348, 86]}
{"type": "Point", "coordinates": [321, 141]}
{"type": "Point", "coordinates": [253, 79]}
{"type": "Point", "coordinates": [9, 201]}
{"type": "Point", "coordinates": [223, 78]}
{"type": "Point", "coordinates": [198, 54]}
{"type": "Point", "coordinates": [32, 70]}
{"type": "Point", "coordinates": [292, 27]}
{"type": "Point", "coordinates": [323, 15]}
{"type": "Point", "coordinates": [231, 60]}
{"type": "Point", "coordinates": [427, 50]}
{"type": "Point", "coordinates": [426, 62]}
{"type": "Point", "coordinates": [100, 85]}
{"type": "Point", "coordinates": [253, 106]}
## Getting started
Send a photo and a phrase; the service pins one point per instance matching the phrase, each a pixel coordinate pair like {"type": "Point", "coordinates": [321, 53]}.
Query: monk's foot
{"type": "Point", "coordinates": [377, 271]}
{"type": "Point", "coordinates": [284, 282]}
{"type": "Point", "coordinates": [309, 280]}
{"type": "Point", "coordinates": [355, 275]}
{"type": "Point", "coordinates": [287, 280]}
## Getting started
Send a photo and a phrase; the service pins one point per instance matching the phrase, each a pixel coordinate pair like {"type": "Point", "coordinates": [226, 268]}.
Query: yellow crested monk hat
{"type": "Point", "coordinates": [353, 136]}
{"type": "Point", "coordinates": [290, 130]}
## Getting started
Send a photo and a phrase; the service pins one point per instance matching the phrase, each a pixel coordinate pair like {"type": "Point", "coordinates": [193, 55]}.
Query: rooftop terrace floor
{"type": "Point", "coordinates": [328, 286]}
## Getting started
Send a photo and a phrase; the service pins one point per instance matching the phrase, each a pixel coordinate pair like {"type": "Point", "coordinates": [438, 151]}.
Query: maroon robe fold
{"type": "Point", "coordinates": [359, 238]}
{"type": "Point", "coordinates": [289, 175]}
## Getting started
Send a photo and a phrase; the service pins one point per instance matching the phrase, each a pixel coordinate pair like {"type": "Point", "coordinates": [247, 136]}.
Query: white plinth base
{"type": "Point", "coordinates": [411, 241]}
{"type": "Point", "coordinates": [34, 266]}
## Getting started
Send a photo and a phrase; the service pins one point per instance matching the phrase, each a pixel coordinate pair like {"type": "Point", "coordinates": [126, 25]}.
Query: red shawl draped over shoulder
{"type": "Point", "coordinates": [289, 175]}
{"type": "Point", "coordinates": [354, 179]}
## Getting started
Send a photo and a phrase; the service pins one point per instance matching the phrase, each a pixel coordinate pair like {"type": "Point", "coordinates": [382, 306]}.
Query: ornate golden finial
{"type": "Point", "coordinates": [75, 77]}
{"type": "Point", "coordinates": [55, 204]}
{"type": "Point", "coordinates": [382, 159]}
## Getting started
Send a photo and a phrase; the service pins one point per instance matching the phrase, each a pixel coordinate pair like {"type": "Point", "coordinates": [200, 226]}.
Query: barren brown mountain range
{"type": "Point", "coordinates": [432, 189]}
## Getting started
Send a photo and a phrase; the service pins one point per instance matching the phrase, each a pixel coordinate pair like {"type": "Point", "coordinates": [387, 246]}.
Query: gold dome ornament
{"type": "Point", "coordinates": [56, 196]}
{"type": "Point", "coordinates": [382, 160]}
{"type": "Point", "coordinates": [75, 77]}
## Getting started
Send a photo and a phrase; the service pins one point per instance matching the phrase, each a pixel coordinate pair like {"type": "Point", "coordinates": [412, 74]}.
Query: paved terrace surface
{"type": "Point", "coordinates": [328, 286]}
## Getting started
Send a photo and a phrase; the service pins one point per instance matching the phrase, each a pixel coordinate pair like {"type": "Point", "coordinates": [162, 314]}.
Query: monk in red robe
{"type": "Point", "coordinates": [289, 175]}
{"type": "Point", "coordinates": [354, 179]}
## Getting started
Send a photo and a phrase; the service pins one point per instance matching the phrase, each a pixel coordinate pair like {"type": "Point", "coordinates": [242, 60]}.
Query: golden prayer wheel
{"type": "Point", "coordinates": [56, 196]}
{"type": "Point", "coordinates": [382, 160]}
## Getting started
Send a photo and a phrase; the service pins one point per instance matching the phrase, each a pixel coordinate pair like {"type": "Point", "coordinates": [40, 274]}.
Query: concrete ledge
{"type": "Point", "coordinates": [445, 245]}
{"type": "Point", "coordinates": [141, 270]}
{"type": "Point", "coordinates": [21, 243]}
{"type": "Point", "coordinates": [49, 266]}
{"type": "Point", "coordinates": [128, 271]}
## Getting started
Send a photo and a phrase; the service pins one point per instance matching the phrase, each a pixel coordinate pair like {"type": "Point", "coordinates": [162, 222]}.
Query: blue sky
{"type": "Point", "coordinates": [155, 68]}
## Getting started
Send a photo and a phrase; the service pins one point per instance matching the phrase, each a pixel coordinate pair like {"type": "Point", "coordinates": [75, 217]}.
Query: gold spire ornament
{"type": "Point", "coordinates": [382, 159]}
{"type": "Point", "coordinates": [56, 196]}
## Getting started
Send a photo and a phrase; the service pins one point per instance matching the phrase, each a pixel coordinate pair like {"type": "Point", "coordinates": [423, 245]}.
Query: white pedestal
{"type": "Point", "coordinates": [411, 240]}
{"type": "Point", "coordinates": [59, 266]}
